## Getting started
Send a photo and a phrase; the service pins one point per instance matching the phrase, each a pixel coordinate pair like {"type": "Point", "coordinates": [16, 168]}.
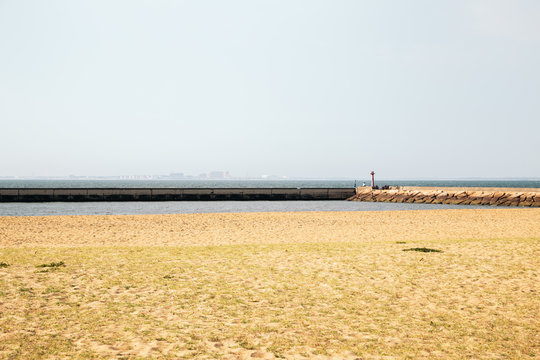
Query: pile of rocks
{"type": "Point", "coordinates": [457, 197]}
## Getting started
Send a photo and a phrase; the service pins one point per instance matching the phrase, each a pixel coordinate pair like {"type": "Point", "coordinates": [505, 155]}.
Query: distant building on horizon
{"type": "Point", "coordinates": [216, 175]}
{"type": "Point", "coordinates": [177, 176]}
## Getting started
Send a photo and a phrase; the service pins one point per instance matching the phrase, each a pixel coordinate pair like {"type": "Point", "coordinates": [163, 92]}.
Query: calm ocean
{"type": "Point", "coordinates": [186, 207]}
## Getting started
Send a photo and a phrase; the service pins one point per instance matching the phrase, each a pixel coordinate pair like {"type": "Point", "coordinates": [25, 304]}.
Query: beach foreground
{"type": "Point", "coordinates": [315, 285]}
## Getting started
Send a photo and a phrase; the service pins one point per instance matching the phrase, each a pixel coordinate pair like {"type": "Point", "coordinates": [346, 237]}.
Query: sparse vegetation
{"type": "Point", "coordinates": [52, 265]}
{"type": "Point", "coordinates": [321, 299]}
{"type": "Point", "coordinates": [3, 265]}
{"type": "Point", "coordinates": [422, 249]}
{"type": "Point", "coordinates": [255, 293]}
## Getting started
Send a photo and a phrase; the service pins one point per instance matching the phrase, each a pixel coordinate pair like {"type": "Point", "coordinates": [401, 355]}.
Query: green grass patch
{"type": "Point", "coordinates": [52, 265]}
{"type": "Point", "coordinates": [423, 249]}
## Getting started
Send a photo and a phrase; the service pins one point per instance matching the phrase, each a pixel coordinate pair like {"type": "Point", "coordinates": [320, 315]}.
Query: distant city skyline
{"type": "Point", "coordinates": [307, 89]}
{"type": "Point", "coordinates": [225, 175]}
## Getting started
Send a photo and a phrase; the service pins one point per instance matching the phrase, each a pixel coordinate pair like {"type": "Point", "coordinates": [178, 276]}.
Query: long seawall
{"type": "Point", "coordinates": [526, 197]}
{"type": "Point", "coordinates": [171, 194]}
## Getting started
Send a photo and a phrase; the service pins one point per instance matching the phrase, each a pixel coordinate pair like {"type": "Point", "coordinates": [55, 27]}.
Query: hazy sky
{"type": "Point", "coordinates": [300, 88]}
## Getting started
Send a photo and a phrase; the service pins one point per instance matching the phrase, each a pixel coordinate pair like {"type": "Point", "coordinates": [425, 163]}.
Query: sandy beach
{"type": "Point", "coordinates": [268, 228]}
{"type": "Point", "coordinates": [319, 285]}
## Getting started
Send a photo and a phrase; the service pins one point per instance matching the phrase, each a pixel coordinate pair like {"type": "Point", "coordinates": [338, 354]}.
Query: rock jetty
{"type": "Point", "coordinates": [456, 196]}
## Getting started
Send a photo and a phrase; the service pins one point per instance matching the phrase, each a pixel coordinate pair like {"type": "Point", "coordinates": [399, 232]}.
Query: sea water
{"type": "Point", "coordinates": [191, 207]}
{"type": "Point", "coordinates": [258, 183]}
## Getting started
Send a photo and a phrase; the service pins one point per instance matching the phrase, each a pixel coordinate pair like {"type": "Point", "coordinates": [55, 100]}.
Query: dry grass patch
{"type": "Point", "coordinates": [367, 299]}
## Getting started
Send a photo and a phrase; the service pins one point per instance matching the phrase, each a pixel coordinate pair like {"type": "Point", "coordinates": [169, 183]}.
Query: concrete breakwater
{"type": "Point", "coordinates": [171, 194]}
{"type": "Point", "coordinates": [454, 196]}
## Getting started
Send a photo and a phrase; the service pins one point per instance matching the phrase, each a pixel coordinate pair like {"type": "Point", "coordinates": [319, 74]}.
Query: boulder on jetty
{"type": "Point", "coordinates": [454, 196]}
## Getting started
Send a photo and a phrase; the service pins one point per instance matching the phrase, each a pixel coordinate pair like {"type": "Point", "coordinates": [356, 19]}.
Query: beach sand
{"type": "Point", "coordinates": [318, 285]}
{"type": "Point", "coordinates": [268, 228]}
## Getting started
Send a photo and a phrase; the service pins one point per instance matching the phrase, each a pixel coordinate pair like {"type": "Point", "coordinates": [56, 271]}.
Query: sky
{"type": "Point", "coordinates": [336, 88]}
